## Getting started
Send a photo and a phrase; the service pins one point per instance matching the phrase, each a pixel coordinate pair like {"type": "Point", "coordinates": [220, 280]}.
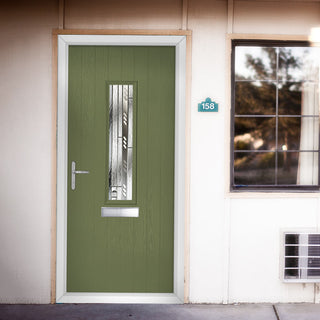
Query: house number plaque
{"type": "Point", "coordinates": [208, 106]}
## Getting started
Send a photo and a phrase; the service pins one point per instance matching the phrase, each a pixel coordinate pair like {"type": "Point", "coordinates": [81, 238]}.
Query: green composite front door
{"type": "Point", "coordinates": [121, 110]}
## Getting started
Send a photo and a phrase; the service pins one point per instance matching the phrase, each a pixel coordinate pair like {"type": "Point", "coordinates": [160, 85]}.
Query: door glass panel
{"type": "Point", "coordinates": [120, 141]}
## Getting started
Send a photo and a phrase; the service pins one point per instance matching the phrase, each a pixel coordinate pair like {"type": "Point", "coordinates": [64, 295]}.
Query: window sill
{"type": "Point", "coordinates": [272, 194]}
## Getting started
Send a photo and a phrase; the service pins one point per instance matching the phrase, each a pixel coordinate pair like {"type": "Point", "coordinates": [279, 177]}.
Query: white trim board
{"type": "Point", "coordinates": [62, 296]}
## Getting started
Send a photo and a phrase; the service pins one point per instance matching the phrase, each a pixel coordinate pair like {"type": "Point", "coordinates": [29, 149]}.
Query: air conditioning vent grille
{"type": "Point", "coordinates": [302, 257]}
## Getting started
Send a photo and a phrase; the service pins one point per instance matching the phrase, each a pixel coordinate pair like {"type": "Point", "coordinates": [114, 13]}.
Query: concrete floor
{"type": "Point", "coordinates": [160, 312]}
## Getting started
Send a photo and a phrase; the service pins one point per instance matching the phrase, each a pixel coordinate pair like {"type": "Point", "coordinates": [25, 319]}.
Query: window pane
{"type": "Point", "coordinates": [255, 98]}
{"type": "Point", "coordinates": [289, 95]}
{"type": "Point", "coordinates": [288, 167]}
{"type": "Point", "coordinates": [308, 168]}
{"type": "Point", "coordinates": [255, 63]}
{"type": "Point", "coordinates": [299, 63]}
{"type": "Point", "coordinates": [298, 98]}
{"type": "Point", "coordinates": [309, 134]}
{"type": "Point", "coordinates": [298, 133]}
{"type": "Point", "coordinates": [310, 99]}
{"type": "Point", "coordinates": [252, 133]}
{"type": "Point", "coordinates": [298, 168]}
{"type": "Point", "coordinates": [120, 141]}
{"type": "Point", "coordinates": [289, 133]}
{"type": "Point", "coordinates": [254, 168]}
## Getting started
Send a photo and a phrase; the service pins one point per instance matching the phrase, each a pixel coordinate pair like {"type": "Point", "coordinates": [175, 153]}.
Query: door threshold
{"type": "Point", "coordinates": [93, 297]}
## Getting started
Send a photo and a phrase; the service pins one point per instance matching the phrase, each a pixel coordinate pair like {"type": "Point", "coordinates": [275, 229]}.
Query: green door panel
{"type": "Point", "coordinates": [121, 254]}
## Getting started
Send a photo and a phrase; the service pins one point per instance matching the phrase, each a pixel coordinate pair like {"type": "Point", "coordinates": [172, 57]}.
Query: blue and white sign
{"type": "Point", "coordinates": [208, 106]}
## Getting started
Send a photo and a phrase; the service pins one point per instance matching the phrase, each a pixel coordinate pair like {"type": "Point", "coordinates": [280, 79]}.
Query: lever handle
{"type": "Point", "coordinates": [81, 172]}
{"type": "Point", "coordinates": [73, 174]}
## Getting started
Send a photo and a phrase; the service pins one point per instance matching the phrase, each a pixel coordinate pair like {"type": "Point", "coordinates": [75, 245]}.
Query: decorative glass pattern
{"type": "Point", "coordinates": [120, 141]}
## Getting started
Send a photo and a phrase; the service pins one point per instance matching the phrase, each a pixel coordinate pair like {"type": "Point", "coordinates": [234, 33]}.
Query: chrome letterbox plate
{"type": "Point", "coordinates": [121, 212]}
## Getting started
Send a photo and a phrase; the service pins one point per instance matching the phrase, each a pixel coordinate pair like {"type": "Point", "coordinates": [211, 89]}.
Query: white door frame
{"type": "Point", "coordinates": [179, 42]}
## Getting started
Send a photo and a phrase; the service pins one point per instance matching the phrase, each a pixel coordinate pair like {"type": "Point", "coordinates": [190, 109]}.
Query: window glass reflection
{"type": "Point", "coordinates": [298, 98]}
{"type": "Point", "coordinates": [298, 133]}
{"type": "Point", "coordinates": [309, 135]}
{"type": "Point", "coordinates": [255, 98]}
{"type": "Point", "coordinates": [253, 133]}
{"type": "Point", "coordinates": [298, 64]}
{"type": "Point", "coordinates": [307, 173]}
{"type": "Point", "coordinates": [255, 63]}
{"type": "Point", "coordinates": [287, 168]}
{"type": "Point", "coordinates": [289, 98]}
{"type": "Point", "coordinates": [298, 168]}
{"type": "Point", "coordinates": [289, 133]}
{"type": "Point", "coordinates": [276, 110]}
{"type": "Point", "coordinates": [254, 168]}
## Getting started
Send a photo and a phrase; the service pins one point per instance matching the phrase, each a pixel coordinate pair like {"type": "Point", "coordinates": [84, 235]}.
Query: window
{"type": "Point", "coordinates": [275, 116]}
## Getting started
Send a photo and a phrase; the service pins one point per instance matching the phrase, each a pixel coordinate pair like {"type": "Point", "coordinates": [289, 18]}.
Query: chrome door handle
{"type": "Point", "coordinates": [73, 174]}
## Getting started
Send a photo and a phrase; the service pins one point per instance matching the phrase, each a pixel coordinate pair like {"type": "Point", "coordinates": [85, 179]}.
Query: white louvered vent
{"type": "Point", "coordinates": [301, 257]}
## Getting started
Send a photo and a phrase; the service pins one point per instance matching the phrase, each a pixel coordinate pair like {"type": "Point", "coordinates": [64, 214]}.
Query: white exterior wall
{"type": "Point", "coordinates": [207, 151]}
{"type": "Point", "coordinates": [25, 144]}
{"type": "Point", "coordinates": [234, 239]}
